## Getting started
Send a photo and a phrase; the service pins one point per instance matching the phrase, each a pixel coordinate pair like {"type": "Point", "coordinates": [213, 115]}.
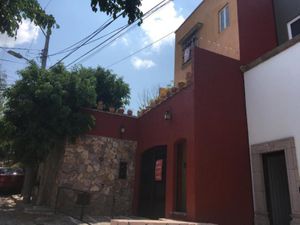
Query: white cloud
{"type": "Point", "coordinates": [27, 32]}
{"type": "Point", "coordinates": [142, 63]}
{"type": "Point", "coordinates": [123, 41]}
{"type": "Point", "coordinates": [160, 23]}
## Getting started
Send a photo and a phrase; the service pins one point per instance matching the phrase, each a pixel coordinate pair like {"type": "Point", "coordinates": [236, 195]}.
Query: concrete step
{"type": "Point", "coordinates": [155, 222]}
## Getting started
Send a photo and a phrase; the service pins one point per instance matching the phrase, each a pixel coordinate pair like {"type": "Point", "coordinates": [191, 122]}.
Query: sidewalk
{"type": "Point", "coordinates": [12, 213]}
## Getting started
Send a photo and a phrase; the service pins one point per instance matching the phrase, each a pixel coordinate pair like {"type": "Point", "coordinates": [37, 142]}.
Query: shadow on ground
{"type": "Point", "coordinates": [13, 212]}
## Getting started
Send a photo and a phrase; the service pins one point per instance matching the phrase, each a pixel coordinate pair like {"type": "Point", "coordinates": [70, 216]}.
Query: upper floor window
{"type": "Point", "coordinates": [294, 27]}
{"type": "Point", "coordinates": [224, 18]}
{"type": "Point", "coordinates": [187, 47]}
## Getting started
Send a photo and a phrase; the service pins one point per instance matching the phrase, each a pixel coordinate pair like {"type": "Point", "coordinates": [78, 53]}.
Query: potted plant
{"type": "Point", "coordinates": [181, 84]}
{"type": "Point", "coordinates": [157, 100]}
{"type": "Point", "coordinates": [100, 105]}
{"type": "Point", "coordinates": [152, 103]}
{"type": "Point", "coordinates": [111, 109]}
{"type": "Point", "coordinates": [169, 93]}
{"type": "Point", "coordinates": [120, 110]}
{"type": "Point", "coordinates": [129, 112]}
{"type": "Point", "coordinates": [174, 89]}
{"type": "Point", "coordinates": [188, 77]}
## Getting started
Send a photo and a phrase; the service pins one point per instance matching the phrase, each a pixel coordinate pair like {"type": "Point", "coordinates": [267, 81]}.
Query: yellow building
{"type": "Point", "coordinates": [212, 26]}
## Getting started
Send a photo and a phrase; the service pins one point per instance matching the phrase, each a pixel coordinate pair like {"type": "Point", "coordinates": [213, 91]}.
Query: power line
{"type": "Point", "coordinates": [101, 28]}
{"type": "Point", "coordinates": [146, 15]}
{"type": "Point", "coordinates": [6, 60]}
{"type": "Point", "coordinates": [80, 41]}
{"type": "Point", "coordinates": [48, 3]}
{"type": "Point", "coordinates": [22, 49]}
{"type": "Point", "coordinates": [92, 41]}
{"type": "Point", "coordinates": [97, 46]}
{"type": "Point", "coordinates": [134, 53]}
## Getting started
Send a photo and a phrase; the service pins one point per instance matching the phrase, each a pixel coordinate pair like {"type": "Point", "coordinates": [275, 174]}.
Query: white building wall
{"type": "Point", "coordinates": [273, 98]}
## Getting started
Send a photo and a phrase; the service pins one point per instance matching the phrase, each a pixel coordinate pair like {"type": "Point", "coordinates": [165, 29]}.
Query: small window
{"type": "Point", "coordinates": [123, 170]}
{"type": "Point", "coordinates": [294, 27]}
{"type": "Point", "coordinates": [187, 47]}
{"type": "Point", "coordinates": [224, 18]}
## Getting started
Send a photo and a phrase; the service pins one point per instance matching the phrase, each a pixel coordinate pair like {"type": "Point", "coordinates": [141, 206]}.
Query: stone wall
{"type": "Point", "coordinates": [92, 165]}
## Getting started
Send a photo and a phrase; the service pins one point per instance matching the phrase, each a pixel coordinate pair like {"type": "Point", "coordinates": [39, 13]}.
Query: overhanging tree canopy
{"type": "Point", "coordinates": [12, 12]}
{"type": "Point", "coordinates": [44, 108]}
{"type": "Point", "coordinates": [129, 8]}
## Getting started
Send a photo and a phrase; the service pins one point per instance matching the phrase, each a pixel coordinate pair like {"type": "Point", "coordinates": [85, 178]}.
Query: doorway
{"type": "Point", "coordinates": [180, 200]}
{"type": "Point", "coordinates": [277, 188]}
{"type": "Point", "coordinates": [153, 183]}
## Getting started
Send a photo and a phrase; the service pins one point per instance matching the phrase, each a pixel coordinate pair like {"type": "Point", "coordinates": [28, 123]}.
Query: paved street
{"type": "Point", "coordinates": [12, 213]}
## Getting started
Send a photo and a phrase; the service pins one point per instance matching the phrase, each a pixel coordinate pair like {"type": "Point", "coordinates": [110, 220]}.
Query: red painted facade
{"type": "Point", "coordinates": [223, 177]}
{"type": "Point", "coordinates": [109, 125]}
{"type": "Point", "coordinates": [210, 116]}
{"type": "Point", "coordinates": [257, 29]}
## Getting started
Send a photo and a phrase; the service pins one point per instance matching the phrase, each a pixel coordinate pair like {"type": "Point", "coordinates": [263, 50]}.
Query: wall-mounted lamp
{"type": "Point", "coordinates": [168, 115]}
{"type": "Point", "coordinates": [122, 130]}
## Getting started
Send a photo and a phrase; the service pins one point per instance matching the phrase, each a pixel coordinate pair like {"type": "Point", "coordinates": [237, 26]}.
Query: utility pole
{"type": "Point", "coordinates": [45, 50]}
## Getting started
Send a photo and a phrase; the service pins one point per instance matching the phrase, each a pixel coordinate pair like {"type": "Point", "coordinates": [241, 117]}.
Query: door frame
{"type": "Point", "coordinates": [259, 193]}
{"type": "Point", "coordinates": [159, 148]}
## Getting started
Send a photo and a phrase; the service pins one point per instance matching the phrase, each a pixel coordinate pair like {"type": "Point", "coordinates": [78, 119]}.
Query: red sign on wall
{"type": "Point", "coordinates": [158, 170]}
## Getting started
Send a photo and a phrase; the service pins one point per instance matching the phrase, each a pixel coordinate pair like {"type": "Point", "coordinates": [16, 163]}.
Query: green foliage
{"type": "Point", "coordinates": [3, 84]}
{"type": "Point", "coordinates": [128, 8]}
{"type": "Point", "coordinates": [44, 108]}
{"type": "Point", "coordinates": [110, 89]}
{"type": "Point", "coordinates": [14, 11]}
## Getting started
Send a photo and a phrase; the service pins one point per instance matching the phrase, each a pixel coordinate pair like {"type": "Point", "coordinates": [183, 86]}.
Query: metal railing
{"type": "Point", "coordinates": [71, 201]}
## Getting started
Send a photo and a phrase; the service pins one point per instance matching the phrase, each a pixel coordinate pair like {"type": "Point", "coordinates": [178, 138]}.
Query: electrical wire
{"type": "Point", "coordinates": [22, 49]}
{"type": "Point", "coordinates": [90, 42]}
{"type": "Point", "coordinates": [134, 53]}
{"type": "Point", "coordinates": [101, 28]}
{"type": "Point", "coordinates": [7, 60]}
{"type": "Point", "coordinates": [80, 41]}
{"type": "Point", "coordinates": [48, 3]}
{"type": "Point", "coordinates": [147, 14]}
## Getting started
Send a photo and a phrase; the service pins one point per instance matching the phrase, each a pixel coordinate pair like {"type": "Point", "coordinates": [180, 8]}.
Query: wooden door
{"type": "Point", "coordinates": [152, 185]}
{"type": "Point", "coordinates": [277, 188]}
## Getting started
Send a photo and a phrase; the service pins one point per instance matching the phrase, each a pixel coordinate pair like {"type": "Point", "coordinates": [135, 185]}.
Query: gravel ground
{"type": "Point", "coordinates": [12, 213]}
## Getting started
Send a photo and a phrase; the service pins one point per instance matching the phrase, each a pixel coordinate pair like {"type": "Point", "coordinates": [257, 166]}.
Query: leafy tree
{"type": "Point", "coordinates": [42, 110]}
{"type": "Point", "coordinates": [3, 77]}
{"type": "Point", "coordinates": [110, 89]}
{"type": "Point", "coordinates": [14, 11]}
{"type": "Point", "coordinates": [128, 8]}
{"type": "Point", "coordinates": [45, 107]}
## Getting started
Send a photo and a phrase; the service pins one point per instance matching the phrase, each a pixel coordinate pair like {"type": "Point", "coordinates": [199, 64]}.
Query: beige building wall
{"type": "Point", "coordinates": [208, 36]}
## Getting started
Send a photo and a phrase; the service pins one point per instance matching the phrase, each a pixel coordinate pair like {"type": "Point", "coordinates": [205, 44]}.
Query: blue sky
{"type": "Point", "coordinates": [143, 71]}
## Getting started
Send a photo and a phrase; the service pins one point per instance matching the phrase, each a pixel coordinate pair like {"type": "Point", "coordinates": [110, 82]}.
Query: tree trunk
{"type": "Point", "coordinates": [49, 171]}
{"type": "Point", "coordinates": [30, 174]}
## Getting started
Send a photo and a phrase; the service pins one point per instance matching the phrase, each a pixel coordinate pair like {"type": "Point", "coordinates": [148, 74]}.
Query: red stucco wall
{"type": "Point", "coordinates": [108, 125]}
{"type": "Point", "coordinates": [210, 116]}
{"type": "Point", "coordinates": [155, 131]}
{"type": "Point", "coordinates": [257, 29]}
{"type": "Point", "coordinates": [223, 176]}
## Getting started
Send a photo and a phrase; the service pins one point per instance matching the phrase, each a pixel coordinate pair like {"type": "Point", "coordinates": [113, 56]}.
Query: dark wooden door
{"type": "Point", "coordinates": [277, 189]}
{"type": "Point", "coordinates": [152, 190]}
